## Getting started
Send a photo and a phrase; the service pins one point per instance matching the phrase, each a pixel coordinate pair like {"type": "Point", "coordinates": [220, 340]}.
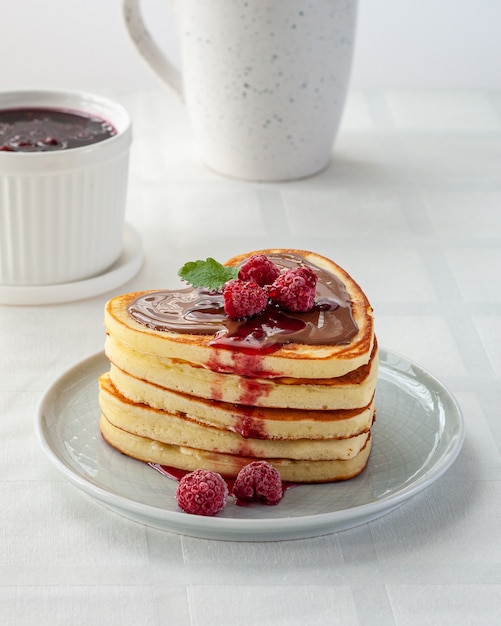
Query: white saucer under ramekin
{"type": "Point", "coordinates": [125, 267]}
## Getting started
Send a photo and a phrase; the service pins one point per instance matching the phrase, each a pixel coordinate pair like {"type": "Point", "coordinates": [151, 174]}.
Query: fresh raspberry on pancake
{"type": "Point", "coordinates": [243, 299]}
{"type": "Point", "coordinates": [259, 481]}
{"type": "Point", "coordinates": [202, 492]}
{"type": "Point", "coordinates": [260, 269]}
{"type": "Point", "coordinates": [294, 289]}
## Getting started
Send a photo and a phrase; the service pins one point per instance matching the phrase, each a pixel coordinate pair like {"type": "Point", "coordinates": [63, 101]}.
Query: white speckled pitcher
{"type": "Point", "coordinates": [264, 81]}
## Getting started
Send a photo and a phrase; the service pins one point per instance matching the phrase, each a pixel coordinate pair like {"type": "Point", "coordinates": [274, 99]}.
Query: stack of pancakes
{"type": "Point", "coordinates": [180, 399]}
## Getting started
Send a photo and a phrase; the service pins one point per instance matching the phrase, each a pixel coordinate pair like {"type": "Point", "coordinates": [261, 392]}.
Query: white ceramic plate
{"type": "Point", "coordinates": [124, 268]}
{"type": "Point", "coordinates": [418, 434]}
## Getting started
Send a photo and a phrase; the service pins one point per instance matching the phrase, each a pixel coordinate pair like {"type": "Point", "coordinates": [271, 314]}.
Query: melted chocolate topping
{"type": "Point", "coordinates": [198, 311]}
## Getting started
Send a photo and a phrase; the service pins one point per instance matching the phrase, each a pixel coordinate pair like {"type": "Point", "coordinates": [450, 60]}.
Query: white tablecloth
{"type": "Point", "coordinates": [411, 207]}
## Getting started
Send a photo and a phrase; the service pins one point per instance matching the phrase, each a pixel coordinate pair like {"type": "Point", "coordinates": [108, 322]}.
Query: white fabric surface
{"type": "Point", "coordinates": [411, 206]}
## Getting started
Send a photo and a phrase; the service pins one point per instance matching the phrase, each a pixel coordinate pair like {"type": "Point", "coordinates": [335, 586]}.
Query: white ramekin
{"type": "Point", "coordinates": [62, 213]}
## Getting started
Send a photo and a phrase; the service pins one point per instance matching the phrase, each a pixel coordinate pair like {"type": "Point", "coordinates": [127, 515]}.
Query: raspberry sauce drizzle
{"type": "Point", "coordinates": [248, 427]}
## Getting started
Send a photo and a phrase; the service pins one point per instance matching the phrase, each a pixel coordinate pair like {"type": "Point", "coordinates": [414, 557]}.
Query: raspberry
{"type": "Point", "coordinates": [258, 481]}
{"type": "Point", "coordinates": [259, 269]}
{"type": "Point", "coordinates": [243, 299]}
{"type": "Point", "coordinates": [202, 492]}
{"type": "Point", "coordinates": [294, 289]}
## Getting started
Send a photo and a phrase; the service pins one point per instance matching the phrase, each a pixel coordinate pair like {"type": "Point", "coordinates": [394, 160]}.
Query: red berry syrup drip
{"type": "Point", "coordinates": [242, 362]}
{"type": "Point", "coordinates": [260, 334]}
{"type": "Point", "coordinates": [248, 427]}
{"type": "Point", "coordinates": [252, 390]}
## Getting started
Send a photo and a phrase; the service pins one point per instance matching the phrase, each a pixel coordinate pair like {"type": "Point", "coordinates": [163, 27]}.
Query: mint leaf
{"type": "Point", "coordinates": [209, 273]}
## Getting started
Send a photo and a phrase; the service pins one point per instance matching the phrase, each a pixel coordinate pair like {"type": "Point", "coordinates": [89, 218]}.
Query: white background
{"type": "Point", "coordinates": [435, 44]}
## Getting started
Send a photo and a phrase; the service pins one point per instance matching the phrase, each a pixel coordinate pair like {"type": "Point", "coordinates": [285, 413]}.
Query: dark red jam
{"type": "Point", "coordinates": [45, 130]}
{"type": "Point", "coordinates": [197, 311]}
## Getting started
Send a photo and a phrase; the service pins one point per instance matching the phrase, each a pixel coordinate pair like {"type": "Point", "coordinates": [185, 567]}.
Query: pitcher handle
{"type": "Point", "coordinates": [148, 48]}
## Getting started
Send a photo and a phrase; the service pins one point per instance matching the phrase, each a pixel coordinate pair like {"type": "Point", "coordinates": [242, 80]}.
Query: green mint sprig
{"type": "Point", "coordinates": [209, 273]}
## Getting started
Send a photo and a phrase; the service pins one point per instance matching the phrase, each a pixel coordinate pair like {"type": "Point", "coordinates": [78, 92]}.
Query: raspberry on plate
{"type": "Point", "coordinates": [202, 492]}
{"type": "Point", "coordinates": [260, 269]}
{"type": "Point", "coordinates": [259, 481]}
{"type": "Point", "coordinates": [243, 299]}
{"type": "Point", "coordinates": [294, 289]}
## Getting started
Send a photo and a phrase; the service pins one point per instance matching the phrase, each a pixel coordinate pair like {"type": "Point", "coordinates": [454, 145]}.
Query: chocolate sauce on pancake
{"type": "Point", "coordinates": [198, 311]}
